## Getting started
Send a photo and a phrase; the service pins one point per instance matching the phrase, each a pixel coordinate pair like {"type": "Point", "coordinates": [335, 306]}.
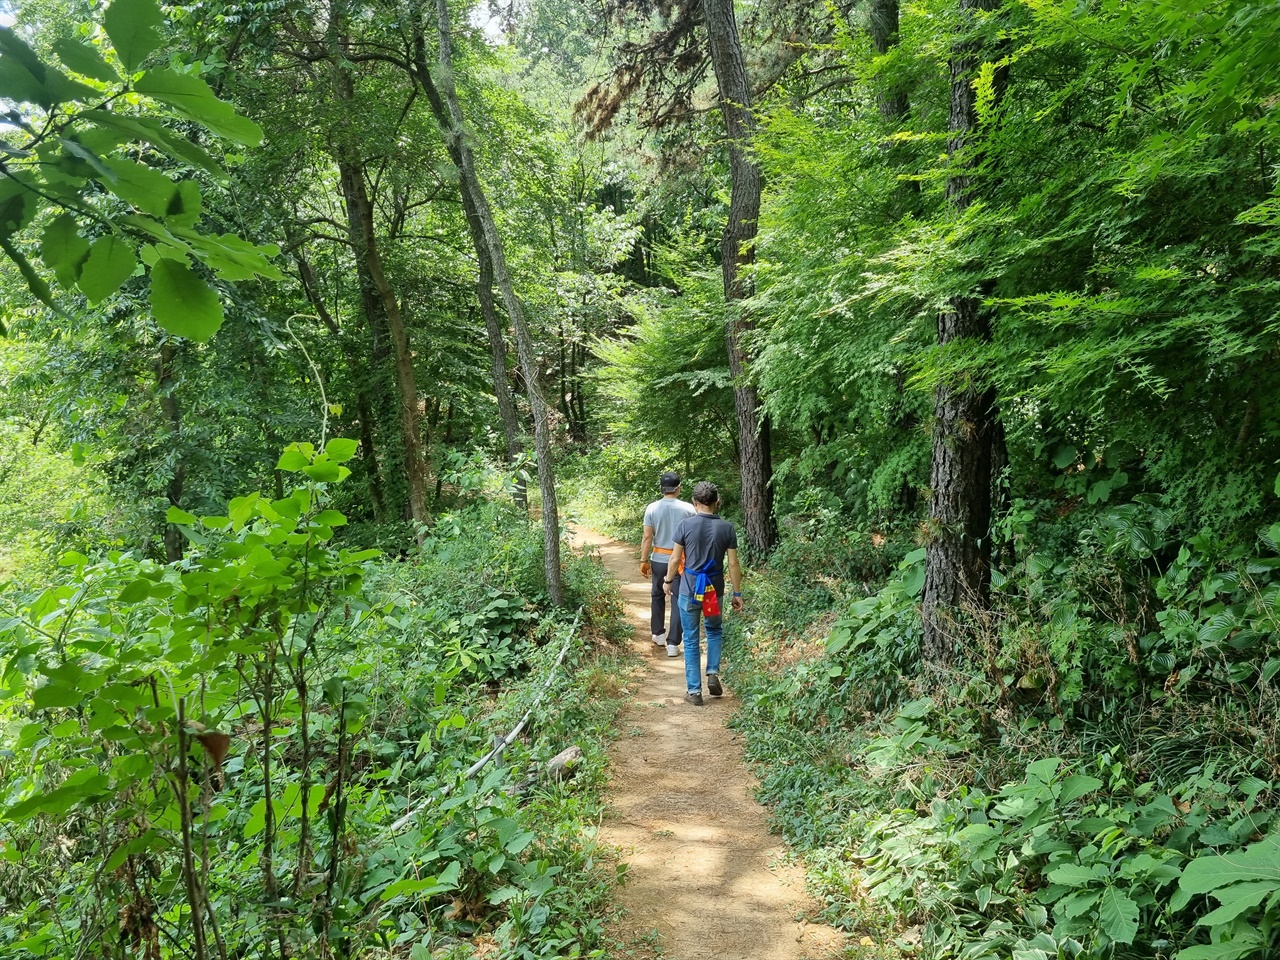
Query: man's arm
{"type": "Point", "coordinates": [735, 577]}
{"type": "Point", "coordinates": [645, 545]}
{"type": "Point", "coordinates": [673, 566]}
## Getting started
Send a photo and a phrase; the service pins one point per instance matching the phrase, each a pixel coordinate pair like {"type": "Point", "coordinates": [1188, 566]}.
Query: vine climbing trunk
{"type": "Point", "coordinates": [965, 424]}
{"type": "Point", "coordinates": [443, 97]}
{"type": "Point", "coordinates": [737, 250]}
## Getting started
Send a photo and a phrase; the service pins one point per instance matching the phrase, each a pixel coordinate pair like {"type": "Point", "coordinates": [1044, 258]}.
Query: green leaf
{"type": "Point", "coordinates": [63, 250]}
{"type": "Point", "coordinates": [185, 205]}
{"type": "Point", "coordinates": [1258, 861]}
{"type": "Point", "coordinates": [292, 461]}
{"type": "Point", "coordinates": [1075, 875]}
{"type": "Point", "coordinates": [322, 470]}
{"type": "Point", "coordinates": [81, 785]}
{"type": "Point", "coordinates": [195, 98]}
{"type": "Point", "coordinates": [18, 205]}
{"type": "Point", "coordinates": [340, 449]}
{"type": "Point", "coordinates": [1236, 899]}
{"type": "Point", "coordinates": [84, 60]}
{"type": "Point", "coordinates": [1077, 786]}
{"type": "Point", "coordinates": [35, 283]}
{"type": "Point", "coordinates": [111, 262]}
{"type": "Point", "coordinates": [230, 257]}
{"type": "Point", "coordinates": [330, 518]}
{"type": "Point", "coordinates": [166, 141]}
{"type": "Point", "coordinates": [134, 28]}
{"type": "Point", "coordinates": [53, 695]}
{"type": "Point", "coordinates": [135, 591]}
{"type": "Point", "coordinates": [25, 77]}
{"type": "Point", "coordinates": [1118, 915]}
{"type": "Point", "coordinates": [182, 303]}
{"type": "Point", "coordinates": [141, 186]}
{"type": "Point", "coordinates": [180, 517]}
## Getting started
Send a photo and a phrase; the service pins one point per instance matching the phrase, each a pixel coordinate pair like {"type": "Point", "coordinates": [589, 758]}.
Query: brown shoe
{"type": "Point", "coordinates": [713, 685]}
{"type": "Point", "coordinates": [694, 698]}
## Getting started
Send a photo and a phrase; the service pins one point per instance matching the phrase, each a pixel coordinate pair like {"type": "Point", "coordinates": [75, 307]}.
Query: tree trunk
{"type": "Point", "coordinates": [883, 26]}
{"type": "Point", "coordinates": [359, 379]}
{"type": "Point", "coordinates": [449, 114]}
{"type": "Point", "coordinates": [360, 217]}
{"type": "Point", "coordinates": [958, 559]}
{"type": "Point", "coordinates": [166, 392]}
{"type": "Point", "coordinates": [507, 412]}
{"type": "Point", "coordinates": [736, 251]}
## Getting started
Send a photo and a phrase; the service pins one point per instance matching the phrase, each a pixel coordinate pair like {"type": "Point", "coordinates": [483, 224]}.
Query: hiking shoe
{"type": "Point", "coordinates": [694, 698]}
{"type": "Point", "coordinates": [659, 638]}
{"type": "Point", "coordinates": [673, 650]}
{"type": "Point", "coordinates": [713, 685]}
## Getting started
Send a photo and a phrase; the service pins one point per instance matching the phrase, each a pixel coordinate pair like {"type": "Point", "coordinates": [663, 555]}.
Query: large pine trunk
{"type": "Point", "coordinates": [736, 251]}
{"type": "Point", "coordinates": [965, 426]}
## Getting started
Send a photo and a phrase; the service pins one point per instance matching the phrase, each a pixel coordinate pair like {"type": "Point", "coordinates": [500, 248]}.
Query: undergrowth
{"type": "Point", "coordinates": [1095, 776]}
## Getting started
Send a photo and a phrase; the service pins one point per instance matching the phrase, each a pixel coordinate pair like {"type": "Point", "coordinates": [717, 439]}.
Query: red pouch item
{"type": "Point", "coordinates": [711, 602]}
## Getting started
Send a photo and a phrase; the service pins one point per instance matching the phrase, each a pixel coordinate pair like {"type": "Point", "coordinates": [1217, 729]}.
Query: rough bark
{"type": "Point", "coordinates": [443, 98]}
{"type": "Point", "coordinates": [166, 392]}
{"type": "Point", "coordinates": [737, 250]}
{"type": "Point", "coordinates": [965, 427]}
{"type": "Point", "coordinates": [883, 19]}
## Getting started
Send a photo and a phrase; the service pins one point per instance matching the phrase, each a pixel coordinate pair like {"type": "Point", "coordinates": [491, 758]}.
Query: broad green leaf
{"type": "Point", "coordinates": [230, 257]}
{"type": "Point", "coordinates": [1077, 786]}
{"type": "Point", "coordinates": [84, 60]}
{"type": "Point", "coordinates": [183, 303]}
{"type": "Point", "coordinates": [184, 206]}
{"type": "Point", "coordinates": [18, 204]}
{"type": "Point", "coordinates": [322, 470]}
{"type": "Point", "coordinates": [134, 28]}
{"type": "Point", "coordinates": [166, 141]}
{"type": "Point", "coordinates": [330, 518]}
{"type": "Point", "coordinates": [1233, 950]}
{"type": "Point", "coordinates": [195, 98]}
{"type": "Point", "coordinates": [63, 250]}
{"type": "Point", "coordinates": [181, 517]}
{"type": "Point", "coordinates": [25, 77]}
{"type": "Point", "coordinates": [1075, 875]}
{"type": "Point", "coordinates": [1236, 899]}
{"type": "Point", "coordinates": [341, 449]}
{"type": "Point", "coordinates": [144, 187]}
{"type": "Point", "coordinates": [111, 262]}
{"type": "Point", "coordinates": [135, 591]}
{"type": "Point", "coordinates": [1118, 915]}
{"type": "Point", "coordinates": [54, 694]}
{"type": "Point", "coordinates": [291, 461]}
{"type": "Point", "coordinates": [82, 785]}
{"type": "Point", "coordinates": [1258, 861]}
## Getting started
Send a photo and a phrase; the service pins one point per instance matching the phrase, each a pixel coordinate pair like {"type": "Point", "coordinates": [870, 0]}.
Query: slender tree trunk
{"type": "Point", "coordinates": [965, 427]}
{"type": "Point", "coordinates": [166, 390]}
{"type": "Point", "coordinates": [883, 27]}
{"type": "Point", "coordinates": [507, 412]}
{"type": "Point", "coordinates": [444, 102]}
{"type": "Point", "coordinates": [736, 251]}
{"type": "Point", "coordinates": [360, 383]}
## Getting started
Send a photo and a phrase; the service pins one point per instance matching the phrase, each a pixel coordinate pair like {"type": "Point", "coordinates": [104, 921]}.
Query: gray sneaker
{"type": "Point", "coordinates": [694, 698]}
{"type": "Point", "coordinates": [673, 650]}
{"type": "Point", "coordinates": [713, 685]}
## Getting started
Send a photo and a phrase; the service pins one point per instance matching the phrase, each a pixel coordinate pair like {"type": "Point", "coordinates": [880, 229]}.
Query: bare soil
{"type": "Point", "coordinates": [705, 877]}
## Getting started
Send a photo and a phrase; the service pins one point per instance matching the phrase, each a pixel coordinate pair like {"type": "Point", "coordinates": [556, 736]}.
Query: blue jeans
{"type": "Point", "coordinates": [690, 614]}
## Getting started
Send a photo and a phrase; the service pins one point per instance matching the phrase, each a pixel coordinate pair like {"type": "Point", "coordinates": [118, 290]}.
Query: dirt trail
{"type": "Point", "coordinates": [703, 867]}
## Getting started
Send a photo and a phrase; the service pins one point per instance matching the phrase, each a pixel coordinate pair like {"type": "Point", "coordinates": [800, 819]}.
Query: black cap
{"type": "Point", "coordinates": [670, 480]}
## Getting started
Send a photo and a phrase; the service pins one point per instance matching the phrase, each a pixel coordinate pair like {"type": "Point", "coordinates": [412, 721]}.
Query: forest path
{"type": "Point", "coordinates": [703, 870]}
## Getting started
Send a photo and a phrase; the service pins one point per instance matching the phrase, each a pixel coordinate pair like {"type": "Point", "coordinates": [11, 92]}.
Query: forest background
{"type": "Point", "coordinates": [315, 314]}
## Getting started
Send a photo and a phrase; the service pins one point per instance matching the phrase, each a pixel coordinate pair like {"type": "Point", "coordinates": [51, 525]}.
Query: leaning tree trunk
{"type": "Point", "coordinates": [444, 101]}
{"type": "Point", "coordinates": [965, 430]}
{"type": "Point", "coordinates": [736, 251]}
{"type": "Point", "coordinates": [507, 412]}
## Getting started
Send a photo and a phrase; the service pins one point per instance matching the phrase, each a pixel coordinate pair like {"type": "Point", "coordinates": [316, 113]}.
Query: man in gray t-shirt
{"type": "Point", "coordinates": [660, 521]}
{"type": "Point", "coordinates": [707, 545]}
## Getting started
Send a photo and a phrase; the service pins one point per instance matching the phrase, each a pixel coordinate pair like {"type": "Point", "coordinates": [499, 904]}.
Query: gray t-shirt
{"type": "Point", "coordinates": [664, 516]}
{"type": "Point", "coordinates": [705, 537]}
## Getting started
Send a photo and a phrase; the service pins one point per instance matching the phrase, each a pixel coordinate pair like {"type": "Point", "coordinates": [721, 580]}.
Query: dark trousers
{"type": "Point", "coordinates": [658, 605]}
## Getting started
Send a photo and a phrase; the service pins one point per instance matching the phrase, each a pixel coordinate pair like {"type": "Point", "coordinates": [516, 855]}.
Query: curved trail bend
{"type": "Point", "coordinates": [704, 871]}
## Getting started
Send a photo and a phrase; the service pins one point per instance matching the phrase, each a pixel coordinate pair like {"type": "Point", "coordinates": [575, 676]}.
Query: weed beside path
{"type": "Point", "coordinates": [705, 877]}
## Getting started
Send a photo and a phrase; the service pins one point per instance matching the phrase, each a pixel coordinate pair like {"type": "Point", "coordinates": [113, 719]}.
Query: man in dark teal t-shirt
{"type": "Point", "coordinates": [708, 546]}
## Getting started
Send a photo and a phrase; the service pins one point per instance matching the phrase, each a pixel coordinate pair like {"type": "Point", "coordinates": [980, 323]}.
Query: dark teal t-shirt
{"type": "Point", "coordinates": [705, 536]}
